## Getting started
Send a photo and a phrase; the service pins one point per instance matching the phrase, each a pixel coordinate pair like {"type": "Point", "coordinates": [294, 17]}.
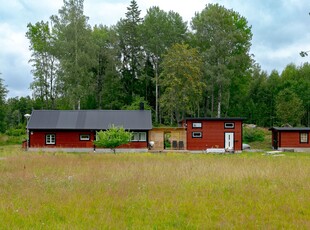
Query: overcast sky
{"type": "Point", "coordinates": [281, 29]}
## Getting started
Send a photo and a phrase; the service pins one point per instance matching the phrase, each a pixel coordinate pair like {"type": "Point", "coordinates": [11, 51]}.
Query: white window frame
{"type": "Point", "coordinates": [197, 125]}
{"type": "Point", "coordinates": [303, 137]}
{"type": "Point", "coordinates": [50, 139]}
{"type": "Point", "coordinates": [84, 137]}
{"type": "Point", "coordinates": [138, 136]}
{"type": "Point", "coordinates": [229, 125]}
{"type": "Point", "coordinates": [142, 136]}
{"type": "Point", "coordinates": [196, 134]}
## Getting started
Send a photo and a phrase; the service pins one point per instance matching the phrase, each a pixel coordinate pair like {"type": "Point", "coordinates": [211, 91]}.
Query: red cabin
{"type": "Point", "coordinates": [75, 130]}
{"type": "Point", "coordinates": [205, 134]}
{"type": "Point", "coordinates": [284, 138]}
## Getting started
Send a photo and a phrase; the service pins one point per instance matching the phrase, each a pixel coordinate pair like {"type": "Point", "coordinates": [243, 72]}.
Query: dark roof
{"type": "Point", "coordinates": [90, 119]}
{"type": "Point", "coordinates": [216, 118]}
{"type": "Point", "coordinates": [290, 128]}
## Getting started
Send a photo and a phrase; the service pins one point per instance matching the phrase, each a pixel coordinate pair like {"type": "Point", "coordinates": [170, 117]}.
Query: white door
{"type": "Point", "coordinates": [229, 141]}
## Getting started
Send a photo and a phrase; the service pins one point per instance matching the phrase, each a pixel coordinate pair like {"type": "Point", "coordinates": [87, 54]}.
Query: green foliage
{"type": "Point", "coordinates": [16, 132]}
{"type": "Point", "coordinates": [181, 80]}
{"type": "Point", "coordinates": [224, 38]}
{"type": "Point", "coordinates": [3, 93]}
{"type": "Point", "coordinates": [135, 105]}
{"type": "Point", "coordinates": [110, 67]}
{"type": "Point", "coordinates": [289, 108]}
{"type": "Point", "coordinates": [112, 138]}
{"type": "Point", "coordinates": [253, 134]}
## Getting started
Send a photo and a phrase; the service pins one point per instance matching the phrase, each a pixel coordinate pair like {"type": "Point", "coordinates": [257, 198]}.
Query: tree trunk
{"type": "Point", "coordinates": [156, 90]}
{"type": "Point", "coordinates": [219, 103]}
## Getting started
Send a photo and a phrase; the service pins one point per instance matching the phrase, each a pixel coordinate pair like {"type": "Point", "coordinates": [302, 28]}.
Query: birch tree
{"type": "Point", "coordinates": [76, 51]}
{"type": "Point", "coordinates": [224, 38]}
{"type": "Point", "coordinates": [160, 31]}
{"type": "Point", "coordinates": [44, 62]}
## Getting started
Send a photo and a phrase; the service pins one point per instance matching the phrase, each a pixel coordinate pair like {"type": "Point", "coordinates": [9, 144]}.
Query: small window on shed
{"type": "Point", "coordinates": [84, 137]}
{"type": "Point", "coordinates": [197, 125]}
{"type": "Point", "coordinates": [197, 134]}
{"type": "Point", "coordinates": [303, 137]}
{"type": "Point", "coordinates": [229, 125]}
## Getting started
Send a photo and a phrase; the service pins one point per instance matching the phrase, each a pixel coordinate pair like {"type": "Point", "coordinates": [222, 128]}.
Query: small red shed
{"type": "Point", "coordinates": [214, 133]}
{"type": "Point", "coordinates": [75, 130]}
{"type": "Point", "coordinates": [295, 138]}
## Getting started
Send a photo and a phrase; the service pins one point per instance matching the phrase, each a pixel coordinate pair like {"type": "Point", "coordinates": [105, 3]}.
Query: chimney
{"type": "Point", "coordinates": [141, 106]}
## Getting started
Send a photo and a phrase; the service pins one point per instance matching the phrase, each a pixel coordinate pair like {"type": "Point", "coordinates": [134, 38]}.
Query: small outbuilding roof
{"type": "Point", "coordinates": [216, 118]}
{"type": "Point", "coordinates": [90, 119]}
{"type": "Point", "coordinates": [290, 128]}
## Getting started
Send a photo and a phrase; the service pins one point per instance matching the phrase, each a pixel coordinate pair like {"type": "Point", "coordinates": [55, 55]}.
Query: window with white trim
{"type": "Point", "coordinates": [138, 136]}
{"type": "Point", "coordinates": [50, 139]}
{"type": "Point", "coordinates": [229, 125]}
{"type": "Point", "coordinates": [197, 125]}
{"type": "Point", "coordinates": [84, 137]}
{"type": "Point", "coordinates": [303, 137]}
{"type": "Point", "coordinates": [197, 134]}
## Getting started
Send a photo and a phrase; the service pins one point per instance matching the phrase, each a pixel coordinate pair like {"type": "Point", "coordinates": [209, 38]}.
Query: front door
{"type": "Point", "coordinates": [229, 141]}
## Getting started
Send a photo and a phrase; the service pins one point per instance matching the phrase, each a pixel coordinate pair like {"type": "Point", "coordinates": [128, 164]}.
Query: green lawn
{"type": "Point", "coordinates": [153, 191]}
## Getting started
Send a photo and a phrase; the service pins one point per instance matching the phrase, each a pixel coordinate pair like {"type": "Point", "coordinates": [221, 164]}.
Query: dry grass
{"type": "Point", "coordinates": [153, 191]}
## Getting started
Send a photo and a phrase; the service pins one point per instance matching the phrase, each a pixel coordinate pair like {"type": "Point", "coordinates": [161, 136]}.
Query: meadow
{"type": "Point", "coordinates": [153, 191]}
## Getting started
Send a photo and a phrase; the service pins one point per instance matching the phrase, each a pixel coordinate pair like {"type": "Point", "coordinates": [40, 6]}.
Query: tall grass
{"type": "Point", "coordinates": [153, 191]}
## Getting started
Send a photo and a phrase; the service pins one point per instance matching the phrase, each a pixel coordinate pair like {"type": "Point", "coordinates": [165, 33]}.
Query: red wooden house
{"type": "Point", "coordinates": [296, 139]}
{"type": "Point", "coordinates": [205, 134]}
{"type": "Point", "coordinates": [75, 130]}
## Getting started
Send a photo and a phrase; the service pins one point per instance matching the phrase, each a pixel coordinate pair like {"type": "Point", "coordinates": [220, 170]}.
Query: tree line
{"type": "Point", "coordinates": [201, 69]}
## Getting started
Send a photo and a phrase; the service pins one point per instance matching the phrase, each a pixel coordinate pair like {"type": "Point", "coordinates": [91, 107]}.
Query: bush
{"type": "Point", "coordinates": [112, 138]}
{"type": "Point", "coordinates": [253, 134]}
{"type": "Point", "coordinates": [15, 132]}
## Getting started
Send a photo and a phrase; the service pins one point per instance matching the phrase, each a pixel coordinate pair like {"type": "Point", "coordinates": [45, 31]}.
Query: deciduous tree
{"type": "Point", "coordinates": [224, 38]}
{"type": "Point", "coordinates": [112, 138]}
{"type": "Point", "coordinates": [181, 80]}
{"type": "Point", "coordinates": [160, 30]}
{"type": "Point", "coordinates": [44, 62]}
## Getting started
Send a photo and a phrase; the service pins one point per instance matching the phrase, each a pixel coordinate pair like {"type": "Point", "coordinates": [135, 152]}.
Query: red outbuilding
{"type": "Point", "coordinates": [75, 130]}
{"type": "Point", "coordinates": [285, 138]}
{"type": "Point", "coordinates": [212, 134]}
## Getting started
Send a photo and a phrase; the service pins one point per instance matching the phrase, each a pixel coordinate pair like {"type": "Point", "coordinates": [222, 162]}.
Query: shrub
{"type": "Point", "coordinates": [112, 138]}
{"type": "Point", "coordinates": [253, 134]}
{"type": "Point", "coordinates": [15, 132]}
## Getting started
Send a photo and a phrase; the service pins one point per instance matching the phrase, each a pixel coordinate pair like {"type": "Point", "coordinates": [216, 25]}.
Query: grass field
{"type": "Point", "coordinates": [153, 191]}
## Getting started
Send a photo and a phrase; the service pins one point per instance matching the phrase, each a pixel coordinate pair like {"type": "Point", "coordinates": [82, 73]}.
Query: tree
{"type": "Point", "coordinates": [160, 30]}
{"type": "Point", "coordinates": [112, 138]}
{"type": "Point", "coordinates": [181, 80]}
{"type": "Point", "coordinates": [132, 56]}
{"type": "Point", "coordinates": [3, 93]}
{"type": "Point", "coordinates": [289, 108]}
{"type": "Point", "coordinates": [107, 86]}
{"type": "Point", "coordinates": [45, 64]}
{"type": "Point", "coordinates": [76, 51]}
{"type": "Point", "coordinates": [223, 37]}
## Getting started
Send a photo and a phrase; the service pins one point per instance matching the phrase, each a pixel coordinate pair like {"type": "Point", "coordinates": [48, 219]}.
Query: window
{"type": "Point", "coordinates": [50, 139]}
{"type": "Point", "coordinates": [229, 125]}
{"type": "Point", "coordinates": [197, 134]}
{"type": "Point", "coordinates": [303, 137]}
{"type": "Point", "coordinates": [84, 137]}
{"type": "Point", "coordinates": [138, 136]}
{"type": "Point", "coordinates": [197, 125]}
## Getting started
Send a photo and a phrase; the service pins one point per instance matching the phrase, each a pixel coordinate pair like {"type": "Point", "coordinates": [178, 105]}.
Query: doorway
{"type": "Point", "coordinates": [229, 141]}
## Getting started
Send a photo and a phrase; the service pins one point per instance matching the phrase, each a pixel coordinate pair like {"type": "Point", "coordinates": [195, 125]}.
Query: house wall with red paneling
{"type": "Point", "coordinates": [71, 139]}
{"type": "Point", "coordinates": [213, 134]}
{"type": "Point", "coordinates": [291, 139]}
